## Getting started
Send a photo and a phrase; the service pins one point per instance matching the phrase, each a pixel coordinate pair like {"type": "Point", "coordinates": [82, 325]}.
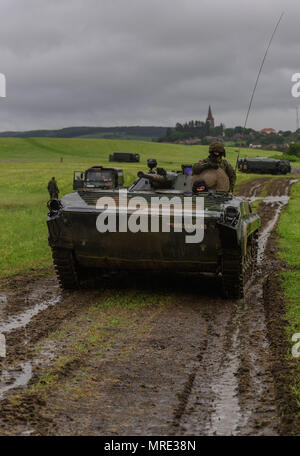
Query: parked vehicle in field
{"type": "Point", "coordinates": [80, 249]}
{"type": "Point", "coordinates": [124, 157]}
{"type": "Point", "coordinates": [99, 177]}
{"type": "Point", "coordinates": [264, 165]}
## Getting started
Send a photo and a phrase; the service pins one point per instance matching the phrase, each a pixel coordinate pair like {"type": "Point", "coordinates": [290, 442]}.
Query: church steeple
{"type": "Point", "coordinates": [210, 120]}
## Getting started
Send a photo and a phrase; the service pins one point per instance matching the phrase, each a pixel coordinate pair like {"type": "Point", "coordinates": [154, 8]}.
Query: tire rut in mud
{"type": "Point", "coordinates": [234, 391]}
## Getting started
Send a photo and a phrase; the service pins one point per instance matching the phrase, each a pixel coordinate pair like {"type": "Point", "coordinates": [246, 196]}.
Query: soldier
{"type": "Point", "coordinates": [199, 186]}
{"type": "Point", "coordinates": [215, 161]}
{"type": "Point", "coordinates": [53, 189]}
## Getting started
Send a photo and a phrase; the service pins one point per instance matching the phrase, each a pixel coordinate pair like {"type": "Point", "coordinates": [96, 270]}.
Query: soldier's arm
{"type": "Point", "coordinates": [231, 174]}
{"type": "Point", "coordinates": [201, 166]}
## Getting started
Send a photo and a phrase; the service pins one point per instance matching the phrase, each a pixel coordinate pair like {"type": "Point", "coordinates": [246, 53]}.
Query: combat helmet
{"type": "Point", "coordinates": [217, 147]}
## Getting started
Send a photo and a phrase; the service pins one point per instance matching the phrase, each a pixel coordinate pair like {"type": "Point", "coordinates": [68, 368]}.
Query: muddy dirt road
{"type": "Point", "coordinates": [127, 360]}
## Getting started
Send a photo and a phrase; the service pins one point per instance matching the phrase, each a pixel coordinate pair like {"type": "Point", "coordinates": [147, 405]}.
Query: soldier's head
{"type": "Point", "coordinates": [53, 178]}
{"type": "Point", "coordinates": [199, 186]}
{"type": "Point", "coordinates": [216, 150]}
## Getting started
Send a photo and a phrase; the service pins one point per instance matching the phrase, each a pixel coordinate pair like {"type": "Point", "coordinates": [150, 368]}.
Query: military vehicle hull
{"type": "Point", "coordinates": [227, 250]}
{"type": "Point", "coordinates": [124, 157]}
{"type": "Point", "coordinates": [264, 165]}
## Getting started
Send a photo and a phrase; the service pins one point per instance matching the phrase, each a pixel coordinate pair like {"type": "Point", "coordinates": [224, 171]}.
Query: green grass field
{"type": "Point", "coordinates": [289, 232]}
{"type": "Point", "coordinates": [28, 164]}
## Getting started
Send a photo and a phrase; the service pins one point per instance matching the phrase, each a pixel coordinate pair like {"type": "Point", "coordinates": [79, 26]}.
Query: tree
{"type": "Point", "coordinates": [229, 132]}
{"type": "Point", "coordinates": [293, 149]}
{"type": "Point", "coordinates": [238, 130]}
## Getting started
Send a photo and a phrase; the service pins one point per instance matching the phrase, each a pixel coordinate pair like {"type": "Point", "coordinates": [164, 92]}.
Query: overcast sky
{"type": "Point", "coordinates": [146, 62]}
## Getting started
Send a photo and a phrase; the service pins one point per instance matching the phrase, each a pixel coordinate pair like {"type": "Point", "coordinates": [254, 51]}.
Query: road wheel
{"type": "Point", "coordinates": [66, 268]}
{"type": "Point", "coordinates": [232, 275]}
{"type": "Point", "coordinates": [237, 269]}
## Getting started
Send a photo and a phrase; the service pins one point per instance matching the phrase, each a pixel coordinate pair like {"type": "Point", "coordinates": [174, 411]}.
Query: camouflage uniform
{"type": "Point", "coordinates": [216, 162]}
{"type": "Point", "coordinates": [53, 189]}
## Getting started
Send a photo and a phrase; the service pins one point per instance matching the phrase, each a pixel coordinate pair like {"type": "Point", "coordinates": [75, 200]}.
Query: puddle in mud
{"type": "Point", "coordinates": [3, 303]}
{"type": "Point", "coordinates": [282, 199]}
{"type": "Point", "coordinates": [27, 432]}
{"type": "Point", "coordinates": [254, 189]}
{"type": "Point", "coordinates": [264, 235]}
{"type": "Point", "coordinates": [273, 201]}
{"type": "Point", "coordinates": [21, 320]}
{"type": "Point", "coordinates": [46, 353]}
{"type": "Point", "coordinates": [15, 378]}
{"type": "Point", "coordinates": [278, 201]}
{"type": "Point", "coordinates": [226, 396]}
{"type": "Point", "coordinates": [3, 298]}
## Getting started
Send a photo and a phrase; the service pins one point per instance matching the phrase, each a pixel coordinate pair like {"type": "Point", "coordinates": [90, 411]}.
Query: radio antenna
{"type": "Point", "coordinates": [255, 85]}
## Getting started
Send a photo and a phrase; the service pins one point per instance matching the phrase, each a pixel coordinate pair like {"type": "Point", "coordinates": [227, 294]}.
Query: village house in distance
{"type": "Point", "coordinates": [196, 132]}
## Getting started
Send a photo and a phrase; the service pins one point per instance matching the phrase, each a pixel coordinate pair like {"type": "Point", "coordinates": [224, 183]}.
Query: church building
{"type": "Point", "coordinates": [210, 120]}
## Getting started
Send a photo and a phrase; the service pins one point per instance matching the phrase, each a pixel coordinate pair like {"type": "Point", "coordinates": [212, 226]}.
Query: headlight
{"type": "Point", "coordinates": [231, 214]}
{"type": "Point", "coordinates": [54, 205]}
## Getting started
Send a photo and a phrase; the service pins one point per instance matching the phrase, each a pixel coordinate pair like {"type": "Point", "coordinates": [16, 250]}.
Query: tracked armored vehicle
{"type": "Point", "coordinates": [96, 230]}
{"type": "Point", "coordinates": [264, 165]}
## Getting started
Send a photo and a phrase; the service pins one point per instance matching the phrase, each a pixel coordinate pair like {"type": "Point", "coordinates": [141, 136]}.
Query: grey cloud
{"type": "Point", "coordinates": [101, 62]}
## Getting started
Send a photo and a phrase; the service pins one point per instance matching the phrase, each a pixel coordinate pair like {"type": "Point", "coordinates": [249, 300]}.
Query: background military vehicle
{"type": "Point", "coordinates": [264, 165]}
{"type": "Point", "coordinates": [99, 177]}
{"type": "Point", "coordinates": [228, 250]}
{"type": "Point", "coordinates": [124, 157]}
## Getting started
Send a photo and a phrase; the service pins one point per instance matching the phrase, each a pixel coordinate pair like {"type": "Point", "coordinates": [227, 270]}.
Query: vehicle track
{"type": "Point", "coordinates": [199, 365]}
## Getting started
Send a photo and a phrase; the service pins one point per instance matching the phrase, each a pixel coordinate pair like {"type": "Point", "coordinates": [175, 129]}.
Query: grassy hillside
{"type": "Point", "coordinates": [28, 164]}
{"type": "Point", "coordinates": [79, 150]}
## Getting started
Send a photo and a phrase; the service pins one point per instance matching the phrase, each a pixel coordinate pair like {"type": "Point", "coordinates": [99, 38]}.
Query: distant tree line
{"type": "Point", "coordinates": [74, 132]}
{"type": "Point", "coordinates": [191, 129]}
